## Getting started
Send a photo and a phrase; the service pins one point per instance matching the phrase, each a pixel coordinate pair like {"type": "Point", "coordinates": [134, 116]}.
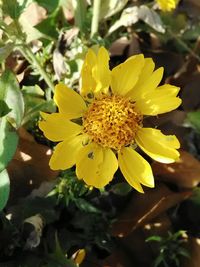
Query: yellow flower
{"type": "Point", "coordinates": [79, 256]}
{"type": "Point", "coordinates": [167, 5]}
{"type": "Point", "coordinates": [101, 129]}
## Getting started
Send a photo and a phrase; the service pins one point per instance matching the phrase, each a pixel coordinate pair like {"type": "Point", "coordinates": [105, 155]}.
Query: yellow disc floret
{"type": "Point", "coordinates": [112, 121]}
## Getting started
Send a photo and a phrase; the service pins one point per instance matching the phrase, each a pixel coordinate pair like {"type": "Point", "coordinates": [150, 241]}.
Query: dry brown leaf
{"type": "Point", "coordinates": [156, 43]}
{"type": "Point", "coordinates": [136, 247]}
{"type": "Point", "coordinates": [184, 173]}
{"type": "Point", "coordinates": [145, 207]}
{"type": "Point", "coordinates": [34, 14]}
{"type": "Point", "coordinates": [193, 245]}
{"type": "Point", "coordinates": [134, 46]}
{"type": "Point", "coordinates": [29, 167]}
{"type": "Point", "coordinates": [176, 118]}
{"type": "Point", "coordinates": [15, 63]}
{"type": "Point", "coordinates": [68, 11]}
{"type": "Point", "coordinates": [65, 40]}
{"type": "Point", "coordinates": [123, 46]}
{"type": "Point", "coordinates": [158, 226]}
{"type": "Point", "coordinates": [188, 79]}
{"type": "Point", "coordinates": [117, 259]}
{"type": "Point", "coordinates": [190, 93]}
{"type": "Point", "coordinates": [130, 252]}
{"type": "Point", "coordinates": [190, 7]}
{"type": "Point", "coordinates": [117, 47]}
{"type": "Point", "coordinates": [58, 64]}
{"type": "Point", "coordinates": [164, 59]}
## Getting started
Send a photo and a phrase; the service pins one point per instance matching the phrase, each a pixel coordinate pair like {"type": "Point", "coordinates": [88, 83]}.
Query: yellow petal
{"type": "Point", "coordinates": [170, 89]}
{"type": "Point", "coordinates": [56, 127]}
{"type": "Point", "coordinates": [96, 165]}
{"type": "Point", "coordinates": [158, 146]}
{"type": "Point", "coordinates": [102, 72]}
{"type": "Point", "coordinates": [87, 79]}
{"type": "Point", "coordinates": [95, 73]}
{"type": "Point", "coordinates": [125, 75]}
{"type": "Point", "coordinates": [107, 169]}
{"type": "Point", "coordinates": [135, 169]}
{"type": "Point", "coordinates": [148, 86]}
{"type": "Point", "coordinates": [146, 72]}
{"type": "Point", "coordinates": [88, 160]}
{"type": "Point", "coordinates": [69, 102]}
{"type": "Point", "coordinates": [167, 5]}
{"type": "Point", "coordinates": [64, 155]}
{"type": "Point", "coordinates": [91, 58]}
{"type": "Point", "coordinates": [161, 100]}
{"type": "Point", "coordinates": [80, 256]}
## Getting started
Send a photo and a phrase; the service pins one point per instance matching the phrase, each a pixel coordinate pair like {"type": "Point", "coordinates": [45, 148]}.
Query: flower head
{"type": "Point", "coordinates": [167, 5]}
{"type": "Point", "coordinates": [101, 129]}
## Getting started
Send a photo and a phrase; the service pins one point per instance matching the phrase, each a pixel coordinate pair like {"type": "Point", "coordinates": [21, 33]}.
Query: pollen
{"type": "Point", "coordinates": [112, 121]}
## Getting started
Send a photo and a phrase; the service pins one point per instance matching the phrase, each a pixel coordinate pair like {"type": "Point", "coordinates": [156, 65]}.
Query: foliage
{"type": "Point", "coordinates": [170, 249]}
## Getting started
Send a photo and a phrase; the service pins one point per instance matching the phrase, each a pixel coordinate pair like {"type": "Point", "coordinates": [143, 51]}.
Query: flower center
{"type": "Point", "coordinates": [112, 121]}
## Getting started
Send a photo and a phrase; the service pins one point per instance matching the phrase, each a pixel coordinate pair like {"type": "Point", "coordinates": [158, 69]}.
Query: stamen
{"type": "Point", "coordinates": [112, 121]}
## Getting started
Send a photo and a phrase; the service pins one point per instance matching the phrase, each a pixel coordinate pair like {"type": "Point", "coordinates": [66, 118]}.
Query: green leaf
{"type": "Point", "coordinates": [194, 120]}
{"type": "Point", "coordinates": [158, 261]}
{"type": "Point", "coordinates": [176, 235]}
{"type": "Point", "coordinates": [50, 6]}
{"type": "Point", "coordinates": [4, 109]}
{"type": "Point", "coordinates": [34, 103]}
{"type": "Point", "coordinates": [111, 7]}
{"type": "Point", "coordinates": [195, 198]}
{"type": "Point", "coordinates": [11, 94]}
{"type": "Point", "coordinates": [4, 188]}
{"type": "Point", "coordinates": [33, 112]}
{"type": "Point", "coordinates": [121, 189]}
{"type": "Point", "coordinates": [5, 51]}
{"type": "Point", "coordinates": [8, 142]}
{"type": "Point", "coordinates": [154, 238]}
{"type": "Point", "coordinates": [59, 257]}
{"type": "Point", "coordinates": [183, 252]}
{"type": "Point", "coordinates": [177, 23]}
{"type": "Point", "coordinates": [33, 91]}
{"type": "Point", "coordinates": [191, 32]}
{"type": "Point", "coordinates": [13, 8]}
{"type": "Point", "coordinates": [84, 205]}
{"type": "Point", "coordinates": [48, 27]}
{"type": "Point", "coordinates": [31, 33]}
{"type": "Point", "coordinates": [80, 13]}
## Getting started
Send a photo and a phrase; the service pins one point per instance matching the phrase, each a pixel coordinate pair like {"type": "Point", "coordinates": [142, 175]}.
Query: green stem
{"type": "Point", "coordinates": [29, 55]}
{"type": "Point", "coordinates": [95, 17]}
{"type": "Point", "coordinates": [184, 45]}
{"type": "Point", "coordinates": [31, 58]}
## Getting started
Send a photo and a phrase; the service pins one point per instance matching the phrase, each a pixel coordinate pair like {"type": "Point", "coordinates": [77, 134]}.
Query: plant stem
{"type": "Point", "coordinates": [31, 58]}
{"type": "Point", "coordinates": [95, 17]}
{"type": "Point", "coordinates": [20, 44]}
{"type": "Point", "coordinates": [184, 45]}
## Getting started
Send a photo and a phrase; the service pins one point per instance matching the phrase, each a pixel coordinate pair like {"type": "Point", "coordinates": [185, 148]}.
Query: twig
{"type": "Point", "coordinates": [31, 58]}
